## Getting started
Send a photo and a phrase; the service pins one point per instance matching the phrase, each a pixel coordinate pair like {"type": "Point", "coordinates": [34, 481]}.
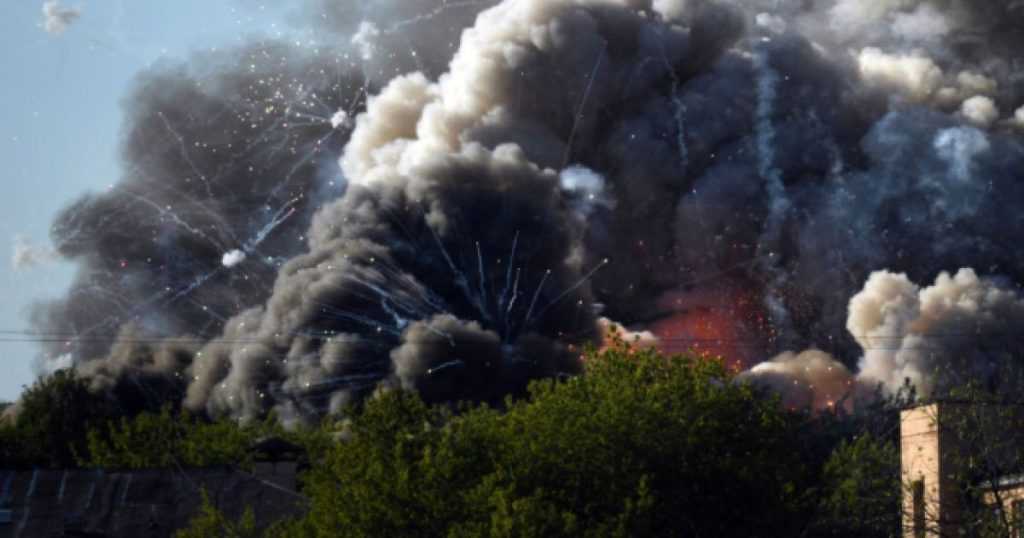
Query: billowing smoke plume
{"type": "Point", "coordinates": [225, 161]}
{"type": "Point", "coordinates": [962, 328]}
{"type": "Point", "coordinates": [810, 379]}
{"type": "Point", "coordinates": [724, 175]}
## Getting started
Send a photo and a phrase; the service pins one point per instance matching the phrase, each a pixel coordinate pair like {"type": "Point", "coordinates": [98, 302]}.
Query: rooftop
{"type": "Point", "coordinates": [155, 502]}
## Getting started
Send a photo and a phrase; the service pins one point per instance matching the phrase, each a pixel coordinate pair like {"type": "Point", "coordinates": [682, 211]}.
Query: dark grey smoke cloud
{"type": "Point", "coordinates": [230, 152]}
{"type": "Point", "coordinates": [448, 285]}
{"type": "Point", "coordinates": [521, 168]}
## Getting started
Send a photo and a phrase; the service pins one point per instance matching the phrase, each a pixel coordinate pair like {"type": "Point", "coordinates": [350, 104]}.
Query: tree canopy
{"type": "Point", "coordinates": [641, 444]}
{"type": "Point", "coordinates": [180, 439]}
{"type": "Point", "coordinates": [54, 417]}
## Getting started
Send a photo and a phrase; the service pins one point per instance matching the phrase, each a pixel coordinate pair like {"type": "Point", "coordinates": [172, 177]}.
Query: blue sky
{"type": "Point", "coordinates": [60, 120]}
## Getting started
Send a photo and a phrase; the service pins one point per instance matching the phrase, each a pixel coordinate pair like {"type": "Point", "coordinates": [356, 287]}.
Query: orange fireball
{"type": "Point", "coordinates": [722, 321]}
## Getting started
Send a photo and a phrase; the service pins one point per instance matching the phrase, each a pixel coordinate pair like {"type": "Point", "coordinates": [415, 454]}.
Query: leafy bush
{"type": "Point", "coordinates": [862, 489]}
{"type": "Point", "coordinates": [169, 439]}
{"type": "Point", "coordinates": [639, 445]}
{"type": "Point", "coordinates": [211, 522]}
{"type": "Point", "coordinates": [54, 417]}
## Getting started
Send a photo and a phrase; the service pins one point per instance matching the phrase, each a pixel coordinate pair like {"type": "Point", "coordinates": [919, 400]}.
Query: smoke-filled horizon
{"type": "Point", "coordinates": [454, 197]}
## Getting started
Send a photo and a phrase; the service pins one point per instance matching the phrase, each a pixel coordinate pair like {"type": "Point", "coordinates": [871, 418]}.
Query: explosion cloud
{"type": "Point", "coordinates": [980, 110]}
{"type": "Point", "coordinates": [812, 378]}
{"type": "Point", "coordinates": [963, 327]}
{"type": "Point", "coordinates": [219, 162]}
{"type": "Point", "coordinates": [297, 228]}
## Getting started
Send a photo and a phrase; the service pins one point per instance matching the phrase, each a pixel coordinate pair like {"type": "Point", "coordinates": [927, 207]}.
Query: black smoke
{"type": "Point", "coordinates": [213, 152]}
{"type": "Point", "coordinates": [520, 169]}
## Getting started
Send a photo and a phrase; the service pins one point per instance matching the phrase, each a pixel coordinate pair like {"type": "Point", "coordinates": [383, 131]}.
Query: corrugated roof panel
{"type": "Point", "coordinates": [48, 484]}
{"type": "Point", "coordinates": [6, 482]}
{"type": "Point", "coordinates": [152, 503]}
{"type": "Point", "coordinates": [151, 488]}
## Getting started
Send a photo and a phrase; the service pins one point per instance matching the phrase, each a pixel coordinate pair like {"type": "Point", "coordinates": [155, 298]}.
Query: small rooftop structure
{"type": "Point", "coordinates": [150, 502]}
{"type": "Point", "coordinates": [276, 449]}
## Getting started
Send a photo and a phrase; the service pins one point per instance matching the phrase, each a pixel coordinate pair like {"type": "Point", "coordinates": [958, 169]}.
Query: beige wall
{"type": "Point", "coordinates": [935, 440]}
{"type": "Point", "coordinates": [920, 461]}
{"type": "Point", "coordinates": [928, 451]}
{"type": "Point", "coordinates": [1006, 496]}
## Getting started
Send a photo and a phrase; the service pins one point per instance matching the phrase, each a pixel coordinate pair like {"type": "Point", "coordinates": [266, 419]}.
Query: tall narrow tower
{"type": "Point", "coordinates": [929, 494]}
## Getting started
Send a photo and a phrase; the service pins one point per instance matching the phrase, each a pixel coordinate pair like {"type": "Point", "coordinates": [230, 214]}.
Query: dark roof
{"type": "Point", "coordinates": [155, 503]}
{"type": "Point", "coordinates": [276, 449]}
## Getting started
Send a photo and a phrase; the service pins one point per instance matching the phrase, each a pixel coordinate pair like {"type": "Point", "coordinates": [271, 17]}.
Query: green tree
{"type": "Point", "coordinates": [640, 445]}
{"type": "Point", "coordinates": [983, 426]}
{"type": "Point", "coordinates": [855, 461]}
{"type": "Point", "coordinates": [212, 522]}
{"type": "Point", "coordinates": [861, 490]}
{"type": "Point", "coordinates": [167, 439]}
{"type": "Point", "coordinates": [54, 417]}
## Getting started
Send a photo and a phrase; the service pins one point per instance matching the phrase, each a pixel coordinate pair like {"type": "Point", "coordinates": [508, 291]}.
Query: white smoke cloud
{"type": "Point", "coordinates": [849, 18]}
{"type": "Point", "coordinates": [958, 325]}
{"type": "Point", "coordinates": [923, 24]}
{"type": "Point", "coordinates": [672, 9]}
{"type": "Point", "coordinates": [26, 255]}
{"type": "Point", "coordinates": [914, 74]}
{"type": "Point", "coordinates": [961, 327]}
{"type": "Point", "coordinates": [610, 328]}
{"type": "Point", "coordinates": [365, 40]}
{"type": "Point", "coordinates": [1018, 117]}
{"type": "Point", "coordinates": [972, 83]}
{"type": "Point", "coordinates": [378, 145]}
{"type": "Point", "coordinates": [340, 118]}
{"type": "Point", "coordinates": [57, 19]}
{"type": "Point", "coordinates": [233, 258]}
{"type": "Point", "coordinates": [60, 363]}
{"type": "Point", "coordinates": [587, 189]}
{"type": "Point", "coordinates": [812, 377]}
{"type": "Point", "coordinates": [772, 23]}
{"type": "Point", "coordinates": [980, 110]}
{"type": "Point", "coordinates": [959, 147]}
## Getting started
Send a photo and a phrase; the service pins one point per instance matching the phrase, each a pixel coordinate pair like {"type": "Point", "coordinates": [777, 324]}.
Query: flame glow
{"type": "Point", "coordinates": [723, 322]}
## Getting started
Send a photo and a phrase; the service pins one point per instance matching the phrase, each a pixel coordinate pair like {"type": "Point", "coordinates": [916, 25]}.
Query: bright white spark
{"type": "Point", "coordinates": [339, 119]}
{"type": "Point", "coordinates": [233, 258]}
